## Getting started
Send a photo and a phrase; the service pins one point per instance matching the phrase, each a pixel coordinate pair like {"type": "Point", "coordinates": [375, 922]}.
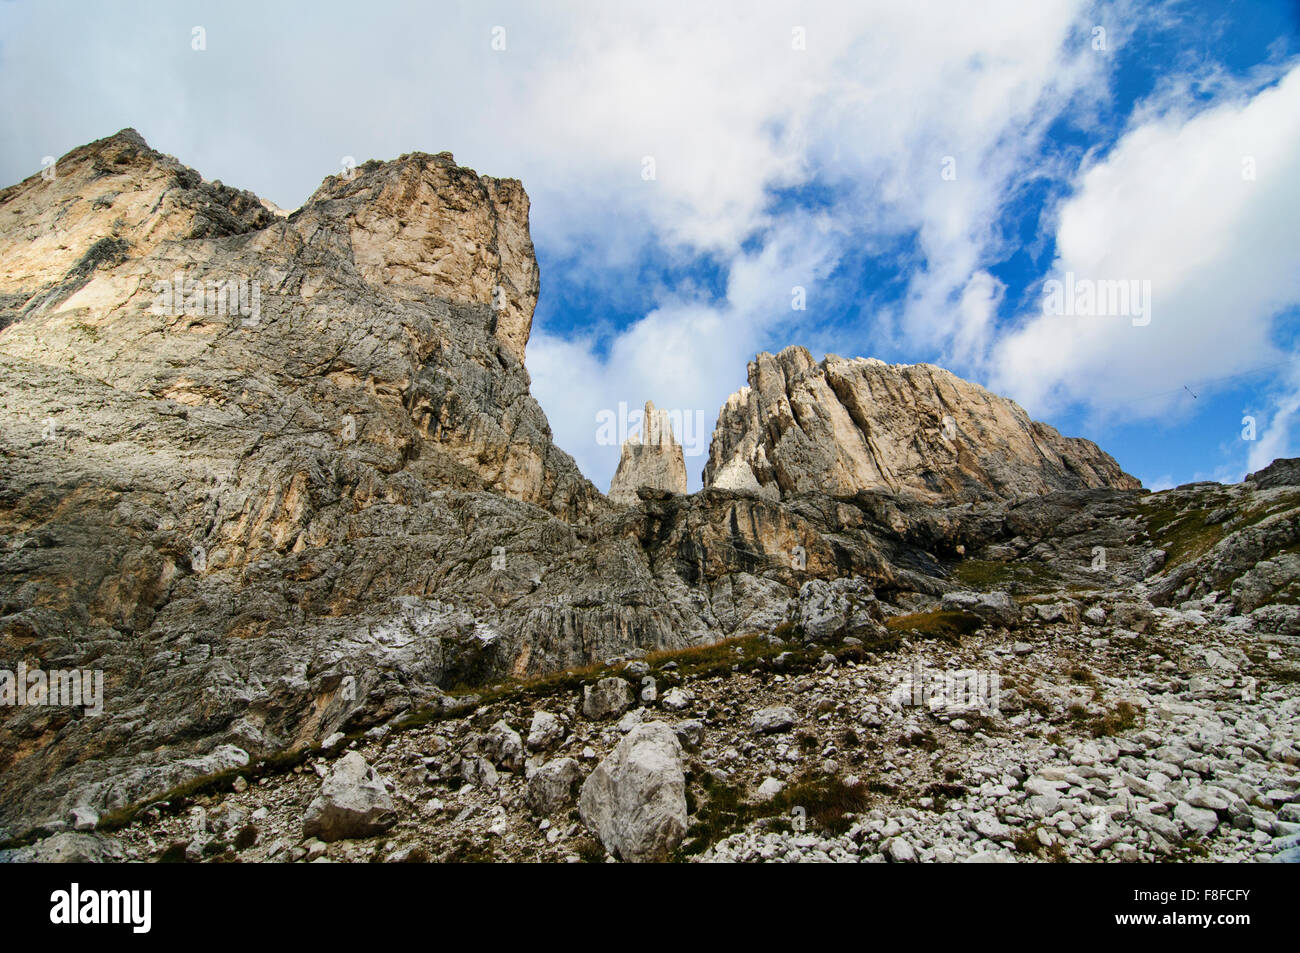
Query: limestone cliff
{"type": "Point", "coordinates": [281, 476]}
{"type": "Point", "coordinates": [841, 426]}
{"type": "Point", "coordinates": [269, 473]}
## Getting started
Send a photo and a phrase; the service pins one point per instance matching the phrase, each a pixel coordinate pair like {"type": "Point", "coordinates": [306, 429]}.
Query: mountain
{"type": "Point", "coordinates": [841, 426]}
{"type": "Point", "coordinates": [279, 479]}
{"type": "Point", "coordinates": [652, 459]}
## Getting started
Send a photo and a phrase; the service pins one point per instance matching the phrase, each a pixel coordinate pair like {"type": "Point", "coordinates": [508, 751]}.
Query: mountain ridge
{"type": "Point", "coordinates": [281, 479]}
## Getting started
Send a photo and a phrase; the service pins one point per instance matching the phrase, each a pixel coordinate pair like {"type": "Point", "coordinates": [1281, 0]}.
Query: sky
{"type": "Point", "coordinates": [1090, 207]}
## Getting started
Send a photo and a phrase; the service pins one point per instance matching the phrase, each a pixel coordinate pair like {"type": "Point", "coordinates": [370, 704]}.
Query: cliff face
{"type": "Point", "coordinates": [267, 472]}
{"type": "Point", "coordinates": [651, 459]}
{"type": "Point", "coordinates": [400, 299]}
{"type": "Point", "coordinates": [843, 426]}
{"type": "Point", "coordinates": [281, 476]}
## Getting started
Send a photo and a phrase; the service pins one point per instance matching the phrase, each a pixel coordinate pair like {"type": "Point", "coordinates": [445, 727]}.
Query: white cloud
{"type": "Point", "coordinates": [874, 107]}
{"type": "Point", "coordinates": [685, 356]}
{"type": "Point", "coordinates": [883, 93]}
{"type": "Point", "coordinates": [1170, 205]}
{"type": "Point", "coordinates": [1278, 437]}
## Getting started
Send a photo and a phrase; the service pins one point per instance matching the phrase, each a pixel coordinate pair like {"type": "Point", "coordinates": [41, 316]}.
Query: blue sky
{"type": "Point", "coordinates": [920, 170]}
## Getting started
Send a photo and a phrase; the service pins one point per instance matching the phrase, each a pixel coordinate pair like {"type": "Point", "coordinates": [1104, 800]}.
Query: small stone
{"type": "Point", "coordinates": [690, 733]}
{"type": "Point", "coordinates": [769, 789]}
{"type": "Point", "coordinates": [631, 720]}
{"type": "Point", "coordinates": [545, 731]}
{"type": "Point", "coordinates": [1203, 798]}
{"type": "Point", "coordinates": [1196, 819]}
{"type": "Point", "coordinates": [677, 699]}
{"type": "Point", "coordinates": [774, 720]}
{"type": "Point", "coordinates": [900, 851]}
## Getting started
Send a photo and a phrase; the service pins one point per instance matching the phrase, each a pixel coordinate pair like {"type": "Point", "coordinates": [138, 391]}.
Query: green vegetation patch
{"type": "Point", "coordinates": [1182, 534]}
{"type": "Point", "coordinates": [825, 804]}
{"type": "Point", "coordinates": [947, 624]}
{"type": "Point", "coordinates": [1023, 575]}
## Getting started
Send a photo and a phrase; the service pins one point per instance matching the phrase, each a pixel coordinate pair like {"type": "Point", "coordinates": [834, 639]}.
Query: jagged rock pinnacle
{"type": "Point", "coordinates": [652, 460]}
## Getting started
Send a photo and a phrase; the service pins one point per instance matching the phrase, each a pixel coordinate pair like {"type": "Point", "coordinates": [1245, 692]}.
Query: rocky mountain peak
{"type": "Point", "coordinates": [100, 204]}
{"type": "Point", "coordinates": [841, 426]}
{"type": "Point", "coordinates": [422, 225]}
{"type": "Point", "coordinates": [278, 481]}
{"type": "Point", "coordinates": [650, 459]}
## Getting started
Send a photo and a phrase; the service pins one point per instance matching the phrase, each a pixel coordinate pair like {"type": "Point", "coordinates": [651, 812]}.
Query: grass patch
{"type": "Point", "coordinates": [1026, 842]}
{"type": "Point", "coordinates": [717, 657]}
{"type": "Point", "coordinates": [466, 851]}
{"type": "Point", "coordinates": [828, 801]}
{"type": "Point", "coordinates": [946, 624]}
{"type": "Point", "coordinates": [1280, 674]}
{"type": "Point", "coordinates": [944, 791]}
{"type": "Point", "coordinates": [1182, 534]}
{"type": "Point", "coordinates": [1288, 501]}
{"type": "Point", "coordinates": [826, 804]}
{"type": "Point", "coordinates": [589, 850]}
{"type": "Point", "coordinates": [1081, 675]}
{"type": "Point", "coordinates": [1123, 717]}
{"type": "Point", "coordinates": [1025, 575]}
{"type": "Point", "coordinates": [923, 739]}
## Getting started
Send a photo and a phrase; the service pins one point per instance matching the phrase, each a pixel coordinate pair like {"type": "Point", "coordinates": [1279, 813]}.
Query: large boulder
{"type": "Point", "coordinates": [838, 608]}
{"type": "Point", "coordinates": [635, 800]}
{"type": "Point", "coordinates": [353, 802]}
{"type": "Point", "coordinates": [551, 787]}
{"type": "Point", "coordinates": [996, 608]}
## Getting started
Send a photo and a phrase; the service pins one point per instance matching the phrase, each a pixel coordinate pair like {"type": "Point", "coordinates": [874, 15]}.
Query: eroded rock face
{"type": "Point", "coordinates": [260, 445]}
{"type": "Point", "coordinates": [841, 426]}
{"type": "Point", "coordinates": [423, 225]}
{"type": "Point", "coordinates": [1284, 471]}
{"type": "Point", "coordinates": [311, 513]}
{"type": "Point", "coordinates": [652, 459]}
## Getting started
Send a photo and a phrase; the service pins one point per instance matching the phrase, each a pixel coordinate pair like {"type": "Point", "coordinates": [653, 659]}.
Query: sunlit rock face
{"type": "Point", "coordinates": [276, 476]}
{"type": "Point", "coordinates": [652, 460]}
{"type": "Point", "coordinates": [840, 426]}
